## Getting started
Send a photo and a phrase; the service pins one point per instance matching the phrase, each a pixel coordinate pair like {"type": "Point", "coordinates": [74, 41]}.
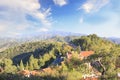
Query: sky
{"type": "Point", "coordinates": [22, 17]}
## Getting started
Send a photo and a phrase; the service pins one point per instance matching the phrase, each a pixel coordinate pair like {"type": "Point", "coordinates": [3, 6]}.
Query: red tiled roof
{"type": "Point", "coordinates": [86, 53]}
{"type": "Point", "coordinates": [89, 78]}
{"type": "Point", "coordinates": [47, 69]}
{"type": "Point", "coordinates": [24, 72]}
{"type": "Point", "coordinates": [27, 72]}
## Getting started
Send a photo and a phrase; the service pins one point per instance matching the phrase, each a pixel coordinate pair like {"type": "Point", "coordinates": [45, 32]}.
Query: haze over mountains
{"type": "Point", "coordinates": [45, 35]}
{"type": "Point", "coordinates": [6, 42]}
{"type": "Point", "coordinates": [40, 36]}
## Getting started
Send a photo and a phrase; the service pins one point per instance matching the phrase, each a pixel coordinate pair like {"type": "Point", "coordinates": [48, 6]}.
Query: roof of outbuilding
{"type": "Point", "coordinates": [86, 53]}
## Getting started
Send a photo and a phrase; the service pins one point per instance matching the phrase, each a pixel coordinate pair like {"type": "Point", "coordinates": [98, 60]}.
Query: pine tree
{"type": "Point", "coordinates": [78, 49]}
{"type": "Point", "coordinates": [8, 66]}
{"type": "Point", "coordinates": [30, 66]}
{"type": "Point", "coordinates": [21, 65]}
{"type": "Point", "coordinates": [31, 61]}
{"type": "Point", "coordinates": [64, 67]}
{"type": "Point", "coordinates": [27, 66]}
{"type": "Point", "coordinates": [35, 64]}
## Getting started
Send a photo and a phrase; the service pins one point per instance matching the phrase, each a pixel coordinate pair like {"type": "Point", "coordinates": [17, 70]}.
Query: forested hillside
{"type": "Point", "coordinates": [93, 42]}
{"type": "Point", "coordinates": [54, 54]}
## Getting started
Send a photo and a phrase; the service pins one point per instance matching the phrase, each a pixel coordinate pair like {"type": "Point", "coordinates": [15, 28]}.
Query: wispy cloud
{"type": "Point", "coordinates": [93, 5]}
{"type": "Point", "coordinates": [109, 28]}
{"type": "Point", "coordinates": [13, 15]}
{"type": "Point", "coordinates": [60, 2]}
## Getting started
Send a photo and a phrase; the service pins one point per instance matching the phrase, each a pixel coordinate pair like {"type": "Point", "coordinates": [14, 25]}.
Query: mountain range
{"type": "Point", "coordinates": [6, 42]}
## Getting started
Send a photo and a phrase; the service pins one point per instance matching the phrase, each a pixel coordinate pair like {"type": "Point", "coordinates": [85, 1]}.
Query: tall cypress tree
{"type": "Point", "coordinates": [27, 66]}
{"type": "Point", "coordinates": [78, 49]}
{"type": "Point", "coordinates": [21, 65]}
{"type": "Point", "coordinates": [31, 61]}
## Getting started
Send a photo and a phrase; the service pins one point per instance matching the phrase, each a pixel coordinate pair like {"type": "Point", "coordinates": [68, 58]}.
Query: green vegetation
{"type": "Point", "coordinates": [43, 54]}
{"type": "Point", "coordinates": [93, 42]}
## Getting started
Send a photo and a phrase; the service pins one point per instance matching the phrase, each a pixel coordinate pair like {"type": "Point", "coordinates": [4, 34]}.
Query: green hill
{"type": "Point", "coordinates": [93, 42]}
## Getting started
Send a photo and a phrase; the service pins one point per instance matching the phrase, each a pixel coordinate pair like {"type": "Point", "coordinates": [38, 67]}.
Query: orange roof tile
{"type": "Point", "coordinates": [46, 69]}
{"type": "Point", "coordinates": [86, 53]}
{"type": "Point", "coordinates": [24, 72]}
{"type": "Point", "coordinates": [90, 78]}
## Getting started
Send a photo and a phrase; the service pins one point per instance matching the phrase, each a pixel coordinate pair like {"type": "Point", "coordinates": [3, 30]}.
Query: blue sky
{"type": "Point", "coordinates": [21, 17]}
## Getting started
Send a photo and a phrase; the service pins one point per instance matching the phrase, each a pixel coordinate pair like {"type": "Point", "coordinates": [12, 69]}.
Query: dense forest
{"type": "Point", "coordinates": [49, 59]}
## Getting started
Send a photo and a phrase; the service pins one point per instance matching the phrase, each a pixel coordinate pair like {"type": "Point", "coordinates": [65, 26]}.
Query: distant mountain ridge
{"type": "Point", "coordinates": [49, 34]}
{"type": "Point", "coordinates": [6, 42]}
{"type": "Point", "coordinates": [114, 39]}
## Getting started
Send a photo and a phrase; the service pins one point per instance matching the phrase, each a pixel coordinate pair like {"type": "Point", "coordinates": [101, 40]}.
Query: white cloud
{"type": "Point", "coordinates": [60, 2]}
{"type": "Point", "coordinates": [13, 16]}
{"type": "Point", "coordinates": [107, 29]}
{"type": "Point", "coordinates": [93, 5]}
